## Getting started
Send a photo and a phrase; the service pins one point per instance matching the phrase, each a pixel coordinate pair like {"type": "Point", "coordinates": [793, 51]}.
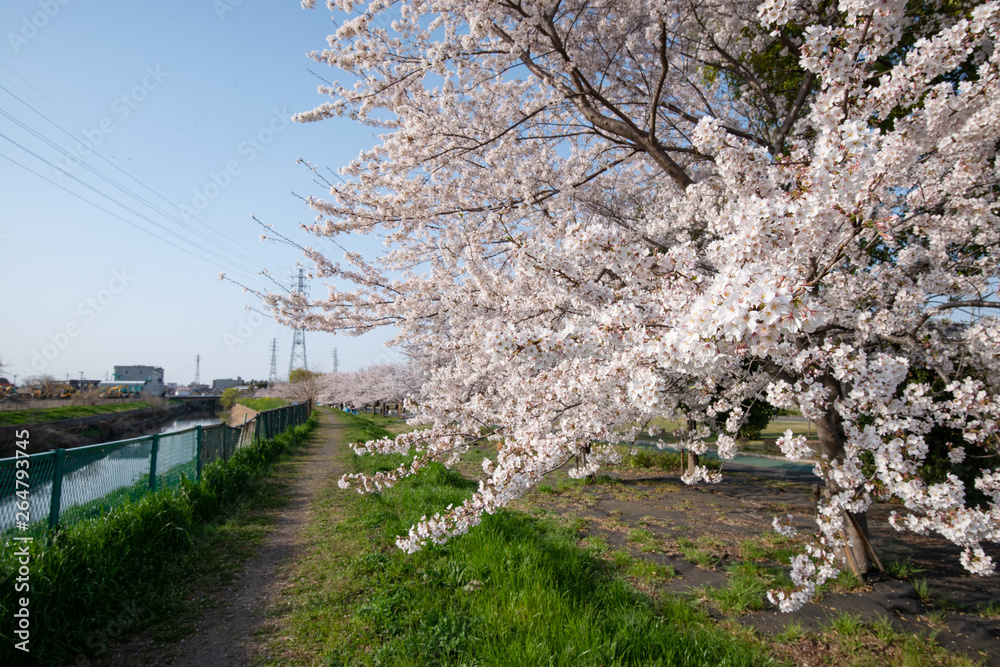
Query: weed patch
{"type": "Point", "coordinates": [745, 591]}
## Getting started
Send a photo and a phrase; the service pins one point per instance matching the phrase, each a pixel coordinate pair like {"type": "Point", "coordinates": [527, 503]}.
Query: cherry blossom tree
{"type": "Point", "coordinates": [303, 385]}
{"type": "Point", "coordinates": [378, 384]}
{"type": "Point", "coordinates": [596, 213]}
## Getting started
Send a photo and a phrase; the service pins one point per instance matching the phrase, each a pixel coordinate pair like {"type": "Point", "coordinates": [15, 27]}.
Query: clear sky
{"type": "Point", "coordinates": [136, 141]}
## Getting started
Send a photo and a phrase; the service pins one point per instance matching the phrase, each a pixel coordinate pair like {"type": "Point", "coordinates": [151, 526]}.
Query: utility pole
{"type": "Point", "coordinates": [273, 377]}
{"type": "Point", "coordinates": [299, 337]}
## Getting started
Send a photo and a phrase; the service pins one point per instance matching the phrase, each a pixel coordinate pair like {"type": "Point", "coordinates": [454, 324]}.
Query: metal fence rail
{"type": "Point", "coordinates": [66, 485]}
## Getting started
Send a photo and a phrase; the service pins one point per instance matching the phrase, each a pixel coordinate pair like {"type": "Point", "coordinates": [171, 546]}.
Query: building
{"type": "Point", "coordinates": [150, 376]}
{"type": "Point", "coordinates": [219, 385]}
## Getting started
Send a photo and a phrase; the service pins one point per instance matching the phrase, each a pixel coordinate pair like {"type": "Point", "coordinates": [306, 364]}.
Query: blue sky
{"type": "Point", "coordinates": [165, 119]}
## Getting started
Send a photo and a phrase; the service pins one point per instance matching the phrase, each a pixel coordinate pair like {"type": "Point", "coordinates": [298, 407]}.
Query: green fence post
{"type": "Point", "coordinates": [57, 475]}
{"type": "Point", "coordinates": [152, 462]}
{"type": "Point", "coordinates": [197, 450]}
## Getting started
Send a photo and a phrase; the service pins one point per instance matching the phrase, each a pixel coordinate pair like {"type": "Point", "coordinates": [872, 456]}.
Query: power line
{"type": "Point", "coordinates": [128, 208]}
{"type": "Point", "coordinates": [117, 185]}
{"type": "Point", "coordinates": [98, 206]}
{"type": "Point", "coordinates": [227, 242]}
{"type": "Point", "coordinates": [104, 178]}
{"type": "Point", "coordinates": [231, 253]}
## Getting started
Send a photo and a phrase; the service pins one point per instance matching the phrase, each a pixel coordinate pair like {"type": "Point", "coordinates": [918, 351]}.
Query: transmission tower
{"type": "Point", "coordinates": [197, 369]}
{"type": "Point", "coordinates": [336, 364]}
{"type": "Point", "coordinates": [273, 377]}
{"type": "Point", "coordinates": [299, 336]}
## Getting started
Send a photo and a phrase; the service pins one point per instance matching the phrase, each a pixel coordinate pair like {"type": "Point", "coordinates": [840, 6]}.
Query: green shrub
{"type": "Point", "coordinates": [228, 397]}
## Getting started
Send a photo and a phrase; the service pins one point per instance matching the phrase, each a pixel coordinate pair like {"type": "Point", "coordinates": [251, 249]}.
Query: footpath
{"type": "Point", "coordinates": [228, 622]}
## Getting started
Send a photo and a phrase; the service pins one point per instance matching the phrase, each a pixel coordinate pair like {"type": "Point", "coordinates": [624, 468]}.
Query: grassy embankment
{"type": "Point", "coordinates": [133, 565]}
{"type": "Point", "coordinates": [515, 591]}
{"type": "Point", "coordinates": [262, 404]}
{"type": "Point", "coordinates": [33, 416]}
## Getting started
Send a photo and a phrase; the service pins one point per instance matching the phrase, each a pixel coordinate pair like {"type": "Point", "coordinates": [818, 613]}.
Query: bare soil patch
{"type": "Point", "coordinates": [701, 531]}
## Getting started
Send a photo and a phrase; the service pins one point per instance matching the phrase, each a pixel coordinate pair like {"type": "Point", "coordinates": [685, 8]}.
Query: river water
{"type": "Point", "coordinates": [119, 468]}
{"type": "Point", "coordinates": [188, 422]}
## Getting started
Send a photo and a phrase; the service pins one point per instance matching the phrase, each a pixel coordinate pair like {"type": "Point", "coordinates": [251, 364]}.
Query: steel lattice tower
{"type": "Point", "coordinates": [197, 368]}
{"type": "Point", "coordinates": [299, 337]}
{"type": "Point", "coordinates": [273, 377]}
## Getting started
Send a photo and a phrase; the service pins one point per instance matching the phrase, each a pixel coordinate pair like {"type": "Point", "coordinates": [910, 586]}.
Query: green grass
{"type": "Point", "coordinates": [769, 547]}
{"type": "Point", "coordinates": [701, 552]}
{"type": "Point", "coordinates": [130, 565]}
{"type": "Point", "coordinates": [516, 590]}
{"type": "Point", "coordinates": [849, 640]}
{"type": "Point", "coordinates": [988, 610]}
{"type": "Point", "coordinates": [644, 539]}
{"type": "Point", "coordinates": [648, 572]}
{"type": "Point", "coordinates": [262, 404]}
{"type": "Point", "coordinates": [33, 416]}
{"type": "Point", "coordinates": [923, 590]}
{"type": "Point", "coordinates": [903, 568]}
{"type": "Point", "coordinates": [746, 590]}
{"type": "Point", "coordinates": [792, 632]}
{"type": "Point", "coordinates": [845, 582]}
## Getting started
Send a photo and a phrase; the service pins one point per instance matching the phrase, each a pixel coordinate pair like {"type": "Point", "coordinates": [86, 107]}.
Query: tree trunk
{"type": "Point", "coordinates": [830, 431]}
{"type": "Point", "coordinates": [690, 459]}
{"type": "Point", "coordinates": [690, 462]}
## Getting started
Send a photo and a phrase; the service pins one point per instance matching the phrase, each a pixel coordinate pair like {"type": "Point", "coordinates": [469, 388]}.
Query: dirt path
{"type": "Point", "coordinates": [225, 632]}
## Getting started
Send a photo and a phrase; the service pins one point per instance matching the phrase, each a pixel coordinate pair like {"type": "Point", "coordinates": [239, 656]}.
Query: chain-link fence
{"type": "Point", "coordinates": [39, 491]}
